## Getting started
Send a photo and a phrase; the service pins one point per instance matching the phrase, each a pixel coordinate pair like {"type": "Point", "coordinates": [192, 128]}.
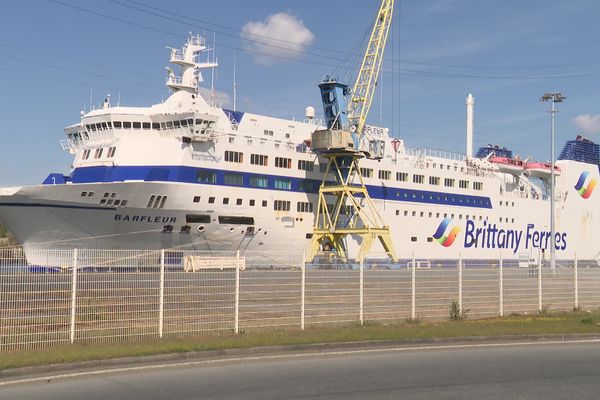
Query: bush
{"type": "Point", "coordinates": [456, 313]}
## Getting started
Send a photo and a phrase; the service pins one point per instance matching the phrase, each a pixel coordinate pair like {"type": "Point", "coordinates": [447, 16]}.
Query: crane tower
{"type": "Point", "coordinates": [345, 207]}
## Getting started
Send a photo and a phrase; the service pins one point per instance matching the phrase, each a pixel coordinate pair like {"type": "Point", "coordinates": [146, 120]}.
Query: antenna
{"type": "Point", "coordinates": [118, 99]}
{"type": "Point", "coordinates": [212, 74]}
{"type": "Point", "coordinates": [234, 83]}
{"type": "Point", "coordinates": [91, 98]}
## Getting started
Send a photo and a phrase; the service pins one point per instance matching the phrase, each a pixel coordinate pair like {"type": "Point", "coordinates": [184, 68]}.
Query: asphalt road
{"type": "Point", "coordinates": [548, 371]}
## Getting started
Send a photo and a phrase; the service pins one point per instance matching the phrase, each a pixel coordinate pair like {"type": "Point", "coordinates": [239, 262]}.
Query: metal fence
{"type": "Point", "coordinates": [71, 296]}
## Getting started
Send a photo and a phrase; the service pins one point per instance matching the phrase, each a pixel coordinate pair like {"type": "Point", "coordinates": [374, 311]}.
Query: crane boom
{"type": "Point", "coordinates": [366, 82]}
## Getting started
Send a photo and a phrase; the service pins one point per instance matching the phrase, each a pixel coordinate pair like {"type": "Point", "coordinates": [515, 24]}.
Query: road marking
{"type": "Point", "coordinates": [293, 355]}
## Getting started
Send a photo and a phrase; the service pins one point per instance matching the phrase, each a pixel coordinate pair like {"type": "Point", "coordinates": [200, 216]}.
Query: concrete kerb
{"type": "Point", "coordinates": [292, 350]}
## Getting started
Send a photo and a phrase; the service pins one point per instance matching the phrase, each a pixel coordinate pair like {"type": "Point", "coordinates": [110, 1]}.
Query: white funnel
{"type": "Point", "coordinates": [470, 103]}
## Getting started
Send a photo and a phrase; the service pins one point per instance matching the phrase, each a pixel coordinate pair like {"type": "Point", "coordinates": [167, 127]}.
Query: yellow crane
{"type": "Point", "coordinates": [345, 207]}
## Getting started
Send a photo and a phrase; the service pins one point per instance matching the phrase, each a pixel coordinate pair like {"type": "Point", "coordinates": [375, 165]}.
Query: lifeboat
{"type": "Point", "coordinates": [541, 170]}
{"type": "Point", "coordinates": [508, 165]}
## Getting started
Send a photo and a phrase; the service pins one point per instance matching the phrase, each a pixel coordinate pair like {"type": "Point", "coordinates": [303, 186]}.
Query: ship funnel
{"type": "Point", "coordinates": [470, 103]}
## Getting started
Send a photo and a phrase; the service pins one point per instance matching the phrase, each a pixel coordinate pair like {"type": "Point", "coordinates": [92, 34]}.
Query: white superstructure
{"type": "Point", "coordinates": [188, 174]}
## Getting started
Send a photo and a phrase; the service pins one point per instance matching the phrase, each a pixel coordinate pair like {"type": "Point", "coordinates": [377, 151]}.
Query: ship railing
{"type": "Point", "coordinates": [426, 152]}
{"type": "Point", "coordinates": [174, 80]}
{"type": "Point", "coordinates": [204, 156]}
{"type": "Point", "coordinates": [177, 55]}
{"type": "Point", "coordinates": [93, 139]}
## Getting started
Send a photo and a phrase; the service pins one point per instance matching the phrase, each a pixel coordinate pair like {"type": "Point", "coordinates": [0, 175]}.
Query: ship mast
{"type": "Point", "coordinates": [190, 69]}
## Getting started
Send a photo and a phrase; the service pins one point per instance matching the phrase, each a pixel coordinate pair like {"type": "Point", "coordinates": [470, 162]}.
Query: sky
{"type": "Point", "coordinates": [56, 54]}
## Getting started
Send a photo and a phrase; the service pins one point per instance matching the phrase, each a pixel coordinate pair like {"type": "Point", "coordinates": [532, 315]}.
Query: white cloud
{"type": "Point", "coordinates": [221, 98]}
{"type": "Point", "coordinates": [588, 123]}
{"type": "Point", "coordinates": [280, 38]}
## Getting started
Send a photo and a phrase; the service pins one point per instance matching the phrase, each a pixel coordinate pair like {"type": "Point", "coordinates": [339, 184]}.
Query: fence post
{"type": "Point", "coordinates": [303, 289]}
{"type": "Point", "coordinates": [237, 292]}
{"type": "Point", "coordinates": [361, 290]}
{"type": "Point", "coordinates": [540, 300]}
{"type": "Point", "coordinates": [73, 296]}
{"type": "Point", "coordinates": [413, 314]}
{"type": "Point", "coordinates": [501, 289]}
{"type": "Point", "coordinates": [576, 284]}
{"type": "Point", "coordinates": [460, 282]}
{"type": "Point", "coordinates": [162, 294]}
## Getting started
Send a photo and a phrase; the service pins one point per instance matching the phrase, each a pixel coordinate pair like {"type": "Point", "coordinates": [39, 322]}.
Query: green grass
{"type": "Point", "coordinates": [547, 323]}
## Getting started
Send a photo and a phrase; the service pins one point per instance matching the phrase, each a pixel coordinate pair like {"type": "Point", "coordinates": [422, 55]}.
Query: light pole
{"type": "Point", "coordinates": [554, 98]}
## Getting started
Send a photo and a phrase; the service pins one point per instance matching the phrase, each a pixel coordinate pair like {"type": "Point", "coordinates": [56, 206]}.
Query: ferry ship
{"type": "Point", "coordinates": [188, 174]}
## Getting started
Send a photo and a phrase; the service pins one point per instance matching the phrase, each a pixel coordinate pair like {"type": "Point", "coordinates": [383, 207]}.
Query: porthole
{"type": "Point", "coordinates": [201, 228]}
{"type": "Point", "coordinates": [231, 230]}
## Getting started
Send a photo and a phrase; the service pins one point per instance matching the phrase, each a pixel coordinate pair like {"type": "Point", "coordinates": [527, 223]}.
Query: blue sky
{"type": "Point", "coordinates": [506, 53]}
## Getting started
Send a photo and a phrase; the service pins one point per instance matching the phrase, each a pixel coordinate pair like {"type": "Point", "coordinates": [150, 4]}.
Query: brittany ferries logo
{"type": "Point", "coordinates": [584, 190]}
{"type": "Point", "coordinates": [442, 239]}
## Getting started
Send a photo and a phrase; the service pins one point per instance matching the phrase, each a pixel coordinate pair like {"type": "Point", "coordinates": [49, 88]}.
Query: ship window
{"type": "Point", "coordinates": [156, 202]}
{"type": "Point", "coordinates": [281, 205]}
{"type": "Point", "coordinates": [449, 182]}
{"type": "Point", "coordinates": [264, 203]}
{"type": "Point", "coordinates": [413, 239]}
{"type": "Point", "coordinates": [98, 153]}
{"type": "Point", "coordinates": [163, 201]}
{"type": "Point", "coordinates": [236, 220]}
{"type": "Point", "coordinates": [430, 214]}
{"type": "Point", "coordinates": [169, 124]}
{"type": "Point", "coordinates": [225, 200]}
{"type": "Point", "coordinates": [127, 125]}
{"type": "Point", "coordinates": [306, 186]}
{"type": "Point", "coordinates": [176, 124]}
{"type": "Point", "coordinates": [117, 202]}
{"type": "Point", "coordinates": [401, 176]}
{"type": "Point", "coordinates": [500, 219]}
{"type": "Point", "coordinates": [163, 125]}
{"type": "Point", "coordinates": [397, 212]}
{"type": "Point", "coordinates": [304, 207]}
{"type": "Point", "coordinates": [259, 181]}
{"type": "Point", "coordinates": [190, 121]}
{"type": "Point", "coordinates": [414, 213]}
{"type": "Point", "coordinates": [111, 152]}
{"type": "Point", "coordinates": [90, 194]}
{"type": "Point", "coordinates": [146, 125]}
{"type": "Point", "coordinates": [206, 176]}
{"type": "Point", "coordinates": [117, 124]}
{"type": "Point", "coordinates": [137, 125]}
{"type": "Point", "coordinates": [252, 202]}
{"type": "Point", "coordinates": [406, 213]}
{"type": "Point", "coordinates": [109, 202]}
{"type": "Point", "coordinates": [104, 125]}
{"type": "Point", "coordinates": [233, 179]}
{"type": "Point", "coordinates": [211, 200]}
{"type": "Point", "coordinates": [268, 132]}
{"type": "Point", "coordinates": [103, 201]}
{"type": "Point", "coordinates": [306, 165]}
{"type": "Point", "coordinates": [434, 180]}
{"type": "Point", "coordinates": [418, 178]}
{"type": "Point", "coordinates": [366, 172]}
{"type": "Point", "coordinates": [93, 127]}
{"type": "Point", "coordinates": [259, 159]}
{"type": "Point", "coordinates": [183, 122]}
{"type": "Point", "coordinates": [500, 202]}
{"type": "Point", "coordinates": [479, 186]}
{"type": "Point", "coordinates": [281, 162]}
{"type": "Point", "coordinates": [238, 202]}
{"type": "Point", "coordinates": [463, 184]}
{"type": "Point", "coordinates": [156, 126]}
{"type": "Point", "coordinates": [86, 154]}
{"type": "Point", "coordinates": [99, 126]}
{"type": "Point", "coordinates": [429, 239]}
{"type": "Point", "coordinates": [385, 175]}
{"type": "Point", "coordinates": [283, 183]}
{"type": "Point", "coordinates": [197, 219]}
{"type": "Point", "coordinates": [83, 194]}
{"type": "Point", "coordinates": [234, 156]}
{"type": "Point", "coordinates": [123, 203]}
{"type": "Point", "coordinates": [196, 199]}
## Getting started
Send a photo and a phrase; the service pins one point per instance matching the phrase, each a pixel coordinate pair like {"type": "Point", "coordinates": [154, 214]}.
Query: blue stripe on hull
{"type": "Point", "coordinates": [183, 174]}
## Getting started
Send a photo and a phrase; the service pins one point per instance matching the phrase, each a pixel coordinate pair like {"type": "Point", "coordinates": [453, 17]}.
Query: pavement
{"type": "Point", "coordinates": [531, 367]}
